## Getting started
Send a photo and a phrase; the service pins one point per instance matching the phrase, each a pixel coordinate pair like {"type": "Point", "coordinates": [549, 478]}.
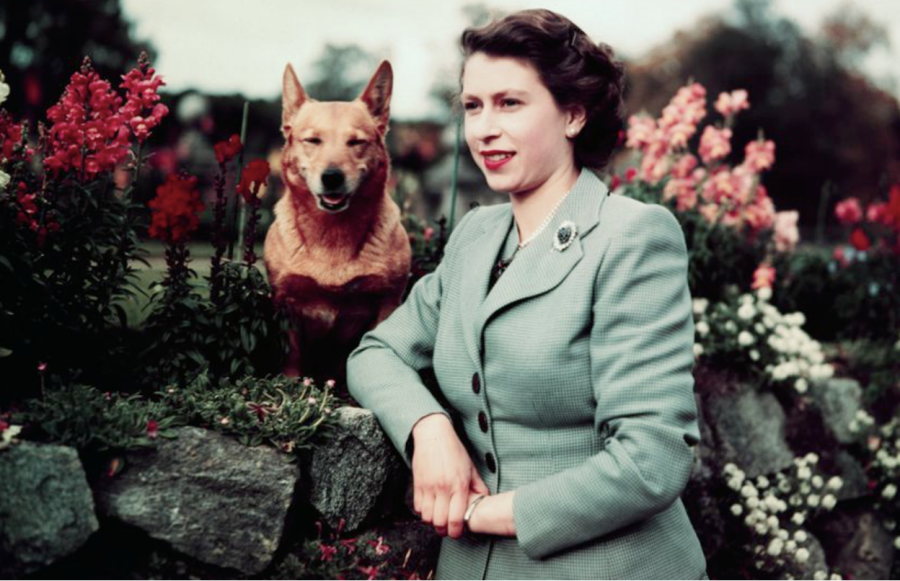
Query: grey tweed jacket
{"type": "Point", "coordinates": [570, 382]}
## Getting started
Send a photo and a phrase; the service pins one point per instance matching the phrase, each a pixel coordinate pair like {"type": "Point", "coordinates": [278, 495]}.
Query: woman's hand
{"type": "Point", "coordinates": [493, 515]}
{"type": "Point", "coordinates": [443, 475]}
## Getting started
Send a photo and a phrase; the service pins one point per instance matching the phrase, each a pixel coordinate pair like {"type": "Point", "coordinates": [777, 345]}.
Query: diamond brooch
{"type": "Point", "coordinates": [565, 235]}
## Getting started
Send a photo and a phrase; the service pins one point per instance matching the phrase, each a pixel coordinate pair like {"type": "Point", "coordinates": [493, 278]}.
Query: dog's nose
{"type": "Point", "coordinates": [332, 179]}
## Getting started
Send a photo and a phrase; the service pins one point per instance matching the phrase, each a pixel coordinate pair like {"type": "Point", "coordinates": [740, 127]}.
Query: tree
{"type": "Point", "coordinates": [830, 124]}
{"type": "Point", "coordinates": [42, 42]}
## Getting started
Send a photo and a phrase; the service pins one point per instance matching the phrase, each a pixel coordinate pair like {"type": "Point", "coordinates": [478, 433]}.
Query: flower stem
{"type": "Point", "coordinates": [237, 199]}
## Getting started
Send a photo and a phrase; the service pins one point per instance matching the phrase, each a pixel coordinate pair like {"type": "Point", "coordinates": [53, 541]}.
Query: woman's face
{"type": "Point", "coordinates": [514, 128]}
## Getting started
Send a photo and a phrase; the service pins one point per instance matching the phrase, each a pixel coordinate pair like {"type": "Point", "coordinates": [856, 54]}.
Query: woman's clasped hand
{"type": "Point", "coordinates": [445, 481]}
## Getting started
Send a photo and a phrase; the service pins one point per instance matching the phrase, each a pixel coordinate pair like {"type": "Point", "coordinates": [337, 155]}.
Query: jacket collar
{"type": "Point", "coordinates": [536, 269]}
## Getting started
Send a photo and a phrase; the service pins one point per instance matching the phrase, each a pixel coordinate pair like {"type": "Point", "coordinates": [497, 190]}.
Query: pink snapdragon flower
{"type": "Point", "coordinates": [848, 211]}
{"type": "Point", "coordinates": [730, 103]}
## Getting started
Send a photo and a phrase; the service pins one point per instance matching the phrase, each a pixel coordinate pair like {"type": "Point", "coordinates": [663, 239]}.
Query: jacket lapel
{"type": "Point", "coordinates": [536, 269]}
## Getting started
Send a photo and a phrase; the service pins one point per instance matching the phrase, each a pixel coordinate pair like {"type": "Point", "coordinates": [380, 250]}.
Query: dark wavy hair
{"type": "Point", "coordinates": [576, 71]}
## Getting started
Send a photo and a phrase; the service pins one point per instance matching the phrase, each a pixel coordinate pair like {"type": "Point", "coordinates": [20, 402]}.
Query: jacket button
{"type": "Point", "coordinates": [476, 383]}
{"type": "Point", "coordinates": [482, 421]}
{"type": "Point", "coordinates": [491, 465]}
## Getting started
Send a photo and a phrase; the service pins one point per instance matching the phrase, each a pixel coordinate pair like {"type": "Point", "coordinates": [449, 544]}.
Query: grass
{"type": "Point", "coordinates": [137, 307]}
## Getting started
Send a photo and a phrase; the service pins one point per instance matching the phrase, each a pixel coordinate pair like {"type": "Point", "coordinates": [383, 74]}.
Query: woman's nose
{"type": "Point", "coordinates": [485, 127]}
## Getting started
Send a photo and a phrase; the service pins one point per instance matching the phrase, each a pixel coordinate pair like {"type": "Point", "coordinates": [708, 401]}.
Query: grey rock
{"type": "Point", "coordinates": [351, 471]}
{"type": "Point", "coordinates": [838, 399]}
{"type": "Point", "coordinates": [853, 476]}
{"type": "Point", "coordinates": [46, 508]}
{"type": "Point", "coordinates": [856, 543]}
{"type": "Point", "coordinates": [749, 428]}
{"type": "Point", "coordinates": [208, 496]}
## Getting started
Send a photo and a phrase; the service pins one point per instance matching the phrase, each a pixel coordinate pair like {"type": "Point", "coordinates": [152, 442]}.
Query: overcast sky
{"type": "Point", "coordinates": [227, 46]}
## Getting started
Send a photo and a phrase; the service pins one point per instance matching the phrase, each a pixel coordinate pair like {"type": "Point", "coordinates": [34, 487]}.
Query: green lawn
{"type": "Point", "coordinates": [200, 254]}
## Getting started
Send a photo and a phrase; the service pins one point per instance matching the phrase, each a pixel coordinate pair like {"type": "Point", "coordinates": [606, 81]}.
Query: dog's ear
{"type": "Point", "coordinates": [377, 95]}
{"type": "Point", "coordinates": [292, 98]}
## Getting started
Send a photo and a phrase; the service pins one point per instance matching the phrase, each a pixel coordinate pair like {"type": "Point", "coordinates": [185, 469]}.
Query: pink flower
{"type": "Point", "coordinates": [759, 155]}
{"type": "Point", "coordinates": [307, 382]}
{"type": "Point", "coordinates": [152, 432]}
{"type": "Point", "coordinates": [760, 215]}
{"type": "Point", "coordinates": [641, 131]}
{"type": "Point", "coordinates": [786, 233]}
{"type": "Point", "coordinates": [848, 211]}
{"type": "Point", "coordinates": [428, 233]}
{"type": "Point", "coordinates": [714, 143]}
{"type": "Point", "coordinates": [877, 213]}
{"type": "Point", "coordinates": [327, 551]}
{"type": "Point", "coordinates": [42, 367]}
{"type": "Point", "coordinates": [763, 277]}
{"type": "Point", "coordinates": [840, 256]}
{"type": "Point", "coordinates": [684, 166]}
{"type": "Point", "coordinates": [684, 191]}
{"type": "Point", "coordinates": [330, 383]}
{"type": "Point", "coordinates": [371, 571]}
{"type": "Point", "coordinates": [730, 103]}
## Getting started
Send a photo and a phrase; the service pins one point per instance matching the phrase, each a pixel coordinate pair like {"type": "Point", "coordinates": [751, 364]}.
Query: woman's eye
{"type": "Point", "coordinates": [469, 106]}
{"type": "Point", "coordinates": [313, 140]}
{"type": "Point", "coordinates": [510, 102]}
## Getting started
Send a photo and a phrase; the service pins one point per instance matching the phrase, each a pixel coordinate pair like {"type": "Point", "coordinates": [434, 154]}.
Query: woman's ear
{"type": "Point", "coordinates": [576, 120]}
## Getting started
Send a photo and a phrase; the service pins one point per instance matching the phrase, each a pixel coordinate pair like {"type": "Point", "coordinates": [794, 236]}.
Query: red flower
{"type": "Point", "coordinates": [91, 129]}
{"type": "Point", "coordinates": [10, 136]}
{"type": "Point", "coordinates": [859, 240]}
{"type": "Point", "coordinates": [371, 571]}
{"type": "Point", "coordinates": [152, 432]}
{"type": "Point", "coordinates": [175, 209]}
{"type": "Point", "coordinates": [328, 551]}
{"type": "Point", "coordinates": [226, 150]}
{"type": "Point", "coordinates": [142, 108]}
{"type": "Point", "coordinates": [630, 173]}
{"type": "Point", "coordinates": [253, 177]}
{"type": "Point", "coordinates": [615, 182]}
{"type": "Point", "coordinates": [3, 426]}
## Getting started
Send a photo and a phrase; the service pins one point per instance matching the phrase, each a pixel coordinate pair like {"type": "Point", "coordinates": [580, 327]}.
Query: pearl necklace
{"type": "Point", "coordinates": [544, 224]}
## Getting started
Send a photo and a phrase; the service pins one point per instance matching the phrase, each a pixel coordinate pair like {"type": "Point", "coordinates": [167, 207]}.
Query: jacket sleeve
{"type": "Point", "coordinates": [382, 372]}
{"type": "Point", "coordinates": [641, 350]}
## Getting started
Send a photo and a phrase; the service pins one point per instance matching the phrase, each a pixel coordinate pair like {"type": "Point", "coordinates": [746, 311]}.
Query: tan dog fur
{"type": "Point", "coordinates": [338, 273]}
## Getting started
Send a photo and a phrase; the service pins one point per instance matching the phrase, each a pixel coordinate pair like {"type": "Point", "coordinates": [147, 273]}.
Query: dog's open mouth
{"type": "Point", "coordinates": [333, 202]}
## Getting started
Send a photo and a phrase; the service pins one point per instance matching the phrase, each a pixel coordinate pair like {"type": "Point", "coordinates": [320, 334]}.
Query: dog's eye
{"type": "Point", "coordinates": [313, 140]}
{"type": "Point", "coordinates": [353, 142]}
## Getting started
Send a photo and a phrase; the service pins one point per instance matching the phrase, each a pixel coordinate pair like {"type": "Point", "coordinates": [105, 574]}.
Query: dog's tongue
{"type": "Point", "coordinates": [332, 199]}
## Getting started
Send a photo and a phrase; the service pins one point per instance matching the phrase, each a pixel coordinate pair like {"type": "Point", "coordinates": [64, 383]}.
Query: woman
{"type": "Point", "coordinates": [560, 331]}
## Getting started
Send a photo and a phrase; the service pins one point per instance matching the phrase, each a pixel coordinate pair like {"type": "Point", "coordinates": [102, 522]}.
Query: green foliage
{"type": "Point", "coordinates": [284, 412]}
{"type": "Point", "coordinates": [856, 300]}
{"type": "Point", "coordinates": [245, 333]}
{"type": "Point", "coordinates": [93, 421]}
{"type": "Point", "coordinates": [876, 365]}
{"type": "Point", "coordinates": [63, 280]}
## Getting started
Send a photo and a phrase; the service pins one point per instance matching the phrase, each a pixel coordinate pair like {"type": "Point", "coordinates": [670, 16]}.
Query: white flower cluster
{"type": "Point", "coordinates": [4, 88]}
{"type": "Point", "coordinates": [861, 421]}
{"type": "Point", "coordinates": [766, 335]}
{"type": "Point", "coordinates": [776, 523]}
{"type": "Point", "coordinates": [885, 443]}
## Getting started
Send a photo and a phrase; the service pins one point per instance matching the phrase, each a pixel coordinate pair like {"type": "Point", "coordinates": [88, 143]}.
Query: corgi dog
{"type": "Point", "coordinates": [337, 254]}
